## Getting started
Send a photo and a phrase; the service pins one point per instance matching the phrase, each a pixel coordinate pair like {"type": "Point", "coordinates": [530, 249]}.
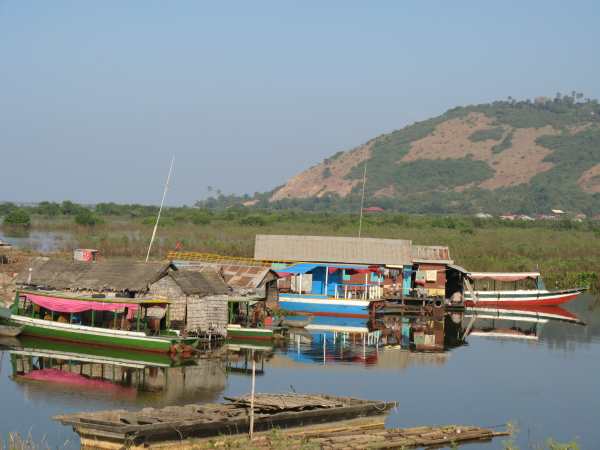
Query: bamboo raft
{"type": "Point", "coordinates": [118, 429]}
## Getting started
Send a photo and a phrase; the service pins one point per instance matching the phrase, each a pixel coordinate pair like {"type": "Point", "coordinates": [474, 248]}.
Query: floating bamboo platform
{"type": "Point", "coordinates": [361, 433]}
{"type": "Point", "coordinates": [126, 429]}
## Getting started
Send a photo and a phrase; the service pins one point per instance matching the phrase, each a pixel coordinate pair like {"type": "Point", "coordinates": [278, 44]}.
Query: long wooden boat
{"type": "Point", "coordinates": [58, 316]}
{"type": "Point", "coordinates": [537, 296]}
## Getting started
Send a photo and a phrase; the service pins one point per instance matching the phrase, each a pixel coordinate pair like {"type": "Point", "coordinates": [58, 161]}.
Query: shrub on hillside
{"type": "Point", "coordinates": [86, 217]}
{"type": "Point", "coordinates": [18, 217]}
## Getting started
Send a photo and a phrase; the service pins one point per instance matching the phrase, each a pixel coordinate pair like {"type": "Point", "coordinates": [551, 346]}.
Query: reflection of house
{"type": "Point", "coordinates": [199, 300]}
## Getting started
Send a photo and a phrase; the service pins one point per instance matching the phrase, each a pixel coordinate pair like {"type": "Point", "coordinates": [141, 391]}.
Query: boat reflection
{"type": "Point", "coordinates": [44, 369]}
{"type": "Point", "coordinates": [524, 323]}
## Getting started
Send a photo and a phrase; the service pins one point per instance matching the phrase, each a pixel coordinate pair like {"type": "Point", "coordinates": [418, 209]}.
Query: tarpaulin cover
{"type": "Point", "coordinates": [504, 276]}
{"type": "Point", "coordinates": [64, 305]}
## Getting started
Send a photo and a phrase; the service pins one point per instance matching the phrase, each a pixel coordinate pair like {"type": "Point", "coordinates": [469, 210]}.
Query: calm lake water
{"type": "Point", "coordinates": [539, 373]}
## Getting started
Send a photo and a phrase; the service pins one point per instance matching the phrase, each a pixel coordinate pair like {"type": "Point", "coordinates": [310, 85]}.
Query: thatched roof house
{"type": "Point", "coordinates": [105, 276]}
{"type": "Point", "coordinates": [198, 299]}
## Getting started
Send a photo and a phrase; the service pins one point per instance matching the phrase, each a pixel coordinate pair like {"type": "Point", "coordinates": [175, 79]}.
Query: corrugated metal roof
{"type": "Point", "coordinates": [431, 253]}
{"type": "Point", "coordinates": [237, 276]}
{"type": "Point", "coordinates": [332, 249]}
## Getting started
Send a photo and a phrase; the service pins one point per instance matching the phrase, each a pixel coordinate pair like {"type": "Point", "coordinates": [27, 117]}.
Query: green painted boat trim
{"type": "Point", "coordinates": [250, 333]}
{"type": "Point", "coordinates": [33, 343]}
{"type": "Point", "coordinates": [96, 336]}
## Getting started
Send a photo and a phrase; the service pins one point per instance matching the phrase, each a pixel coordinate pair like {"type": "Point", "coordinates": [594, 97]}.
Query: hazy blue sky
{"type": "Point", "coordinates": [95, 97]}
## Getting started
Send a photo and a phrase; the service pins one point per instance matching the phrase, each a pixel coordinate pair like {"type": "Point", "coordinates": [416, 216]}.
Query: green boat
{"type": "Point", "coordinates": [127, 323]}
{"type": "Point", "coordinates": [239, 332]}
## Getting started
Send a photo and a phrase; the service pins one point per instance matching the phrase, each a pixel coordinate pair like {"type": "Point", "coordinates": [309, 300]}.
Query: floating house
{"type": "Point", "coordinates": [198, 301]}
{"type": "Point", "coordinates": [335, 276]}
{"type": "Point", "coordinates": [348, 276]}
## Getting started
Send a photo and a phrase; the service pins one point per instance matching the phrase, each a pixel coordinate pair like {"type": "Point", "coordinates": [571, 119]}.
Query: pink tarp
{"type": "Point", "coordinates": [63, 305]}
{"type": "Point", "coordinates": [76, 380]}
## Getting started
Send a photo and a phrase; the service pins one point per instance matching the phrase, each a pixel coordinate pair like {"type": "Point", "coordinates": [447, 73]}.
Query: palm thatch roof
{"type": "Point", "coordinates": [200, 283]}
{"type": "Point", "coordinates": [116, 276]}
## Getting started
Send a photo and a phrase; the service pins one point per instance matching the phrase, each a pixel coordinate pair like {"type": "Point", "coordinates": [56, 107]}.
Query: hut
{"type": "Point", "coordinates": [199, 300]}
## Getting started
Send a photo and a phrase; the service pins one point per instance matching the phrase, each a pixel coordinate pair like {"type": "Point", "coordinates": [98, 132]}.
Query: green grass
{"type": "Point", "coordinates": [567, 253]}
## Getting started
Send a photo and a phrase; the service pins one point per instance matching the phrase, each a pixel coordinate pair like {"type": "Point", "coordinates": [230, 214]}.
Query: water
{"type": "Point", "coordinates": [38, 241]}
{"type": "Point", "coordinates": [541, 375]}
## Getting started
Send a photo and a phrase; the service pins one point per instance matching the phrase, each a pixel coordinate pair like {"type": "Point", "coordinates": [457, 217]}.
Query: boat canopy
{"type": "Point", "coordinates": [65, 304]}
{"type": "Point", "coordinates": [504, 276]}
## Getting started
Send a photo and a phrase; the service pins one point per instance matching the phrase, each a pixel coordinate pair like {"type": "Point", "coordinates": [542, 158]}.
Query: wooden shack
{"type": "Point", "coordinates": [199, 300]}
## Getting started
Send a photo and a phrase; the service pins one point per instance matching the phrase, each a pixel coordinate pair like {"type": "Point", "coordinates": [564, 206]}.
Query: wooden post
{"type": "Point", "coordinates": [137, 319]}
{"type": "Point", "coordinates": [93, 316]}
{"type": "Point", "coordinates": [114, 320]}
{"type": "Point", "coordinates": [252, 396]}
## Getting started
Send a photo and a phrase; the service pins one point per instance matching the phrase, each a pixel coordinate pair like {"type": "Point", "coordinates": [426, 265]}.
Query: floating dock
{"type": "Point", "coordinates": [124, 429]}
{"type": "Point", "coordinates": [294, 421]}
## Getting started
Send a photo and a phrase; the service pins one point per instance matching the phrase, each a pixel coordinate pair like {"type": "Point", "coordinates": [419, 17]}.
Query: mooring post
{"type": "Point", "coordinates": [252, 397]}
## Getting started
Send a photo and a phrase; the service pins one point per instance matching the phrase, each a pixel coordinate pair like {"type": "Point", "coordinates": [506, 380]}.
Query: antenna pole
{"type": "Point", "coordinates": [362, 200]}
{"type": "Point", "coordinates": [162, 202]}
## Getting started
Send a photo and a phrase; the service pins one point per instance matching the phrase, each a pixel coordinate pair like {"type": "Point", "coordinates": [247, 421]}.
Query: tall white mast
{"type": "Point", "coordinates": [162, 202]}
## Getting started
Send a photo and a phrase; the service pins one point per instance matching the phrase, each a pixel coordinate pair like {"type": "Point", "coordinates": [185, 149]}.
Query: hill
{"type": "Point", "coordinates": [506, 156]}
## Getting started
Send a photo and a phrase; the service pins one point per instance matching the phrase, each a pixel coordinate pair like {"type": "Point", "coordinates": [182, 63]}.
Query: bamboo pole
{"type": "Point", "coordinates": [160, 209]}
{"type": "Point", "coordinates": [252, 397]}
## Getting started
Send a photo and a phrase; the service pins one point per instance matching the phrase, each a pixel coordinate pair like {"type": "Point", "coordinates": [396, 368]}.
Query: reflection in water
{"type": "Point", "coordinates": [50, 369]}
{"type": "Point", "coordinates": [328, 340]}
{"type": "Point", "coordinates": [516, 322]}
{"type": "Point", "coordinates": [372, 357]}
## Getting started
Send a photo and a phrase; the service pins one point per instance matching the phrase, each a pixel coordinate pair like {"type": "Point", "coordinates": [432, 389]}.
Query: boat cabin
{"type": "Point", "coordinates": [150, 316]}
{"type": "Point", "coordinates": [507, 281]}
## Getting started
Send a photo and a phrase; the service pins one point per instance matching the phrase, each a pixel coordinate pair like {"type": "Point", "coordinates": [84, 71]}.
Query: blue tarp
{"type": "Point", "coordinates": [299, 268]}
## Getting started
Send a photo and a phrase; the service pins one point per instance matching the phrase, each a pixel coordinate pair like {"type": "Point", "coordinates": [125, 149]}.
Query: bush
{"type": "Point", "coordinates": [254, 220]}
{"type": "Point", "coordinates": [201, 218]}
{"type": "Point", "coordinates": [494, 134]}
{"type": "Point", "coordinates": [87, 218]}
{"type": "Point", "coordinates": [18, 217]}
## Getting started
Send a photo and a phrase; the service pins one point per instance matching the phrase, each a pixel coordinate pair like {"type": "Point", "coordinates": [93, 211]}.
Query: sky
{"type": "Point", "coordinates": [96, 97]}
